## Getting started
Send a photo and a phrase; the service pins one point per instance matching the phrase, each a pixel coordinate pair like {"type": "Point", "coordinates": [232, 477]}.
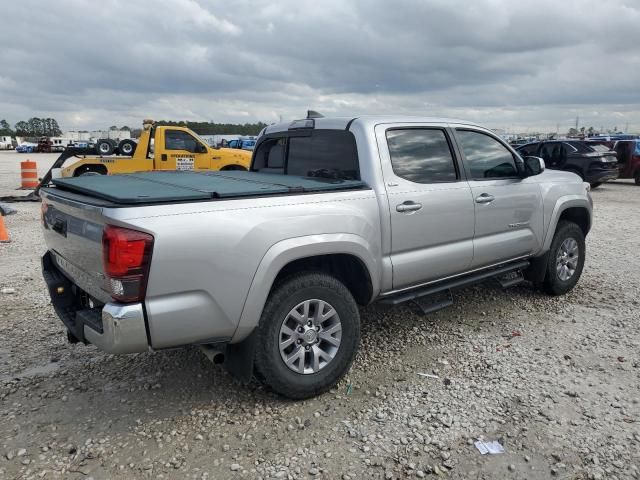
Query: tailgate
{"type": "Point", "coordinates": [73, 233]}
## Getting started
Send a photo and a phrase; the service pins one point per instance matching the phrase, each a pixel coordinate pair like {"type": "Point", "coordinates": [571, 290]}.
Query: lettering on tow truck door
{"type": "Point", "coordinates": [185, 163]}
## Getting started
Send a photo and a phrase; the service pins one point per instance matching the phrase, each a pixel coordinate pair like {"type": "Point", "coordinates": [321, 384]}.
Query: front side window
{"type": "Point", "coordinates": [178, 140]}
{"type": "Point", "coordinates": [421, 155]}
{"type": "Point", "coordinates": [486, 157]}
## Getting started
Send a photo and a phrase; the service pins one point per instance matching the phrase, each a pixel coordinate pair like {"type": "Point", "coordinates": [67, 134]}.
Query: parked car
{"type": "Point", "coordinates": [593, 163]}
{"type": "Point", "coordinates": [267, 267]}
{"type": "Point", "coordinates": [242, 143]}
{"type": "Point", "coordinates": [27, 147]}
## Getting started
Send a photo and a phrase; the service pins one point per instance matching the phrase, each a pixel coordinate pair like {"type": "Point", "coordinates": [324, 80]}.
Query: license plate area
{"type": "Point", "coordinates": [75, 307]}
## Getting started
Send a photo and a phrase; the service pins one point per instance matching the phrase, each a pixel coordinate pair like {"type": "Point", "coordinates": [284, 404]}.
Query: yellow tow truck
{"type": "Point", "coordinates": [163, 148]}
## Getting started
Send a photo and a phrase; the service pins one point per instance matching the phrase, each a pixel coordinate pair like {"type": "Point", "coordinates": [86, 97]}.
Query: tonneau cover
{"type": "Point", "coordinates": [181, 186]}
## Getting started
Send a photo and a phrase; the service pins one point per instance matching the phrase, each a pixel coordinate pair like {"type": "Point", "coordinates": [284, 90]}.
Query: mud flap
{"type": "Point", "coordinates": [538, 268]}
{"type": "Point", "coordinates": [239, 358]}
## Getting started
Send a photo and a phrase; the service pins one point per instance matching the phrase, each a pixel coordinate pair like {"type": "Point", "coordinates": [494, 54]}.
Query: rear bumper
{"type": "Point", "coordinates": [113, 328]}
{"type": "Point", "coordinates": [598, 174]}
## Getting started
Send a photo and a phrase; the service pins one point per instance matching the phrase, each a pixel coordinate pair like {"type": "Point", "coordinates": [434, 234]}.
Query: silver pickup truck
{"type": "Point", "coordinates": [266, 268]}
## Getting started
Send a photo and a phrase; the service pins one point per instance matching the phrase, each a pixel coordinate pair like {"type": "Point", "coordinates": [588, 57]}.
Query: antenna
{"type": "Point", "coordinates": [314, 114]}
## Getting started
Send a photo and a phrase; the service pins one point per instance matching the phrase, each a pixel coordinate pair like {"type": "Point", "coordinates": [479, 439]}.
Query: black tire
{"type": "Point", "coordinates": [637, 178]}
{"type": "Point", "coordinates": [269, 365]}
{"type": "Point", "coordinates": [553, 284]}
{"type": "Point", "coordinates": [104, 147]}
{"type": "Point", "coordinates": [127, 147]}
{"type": "Point", "coordinates": [595, 185]}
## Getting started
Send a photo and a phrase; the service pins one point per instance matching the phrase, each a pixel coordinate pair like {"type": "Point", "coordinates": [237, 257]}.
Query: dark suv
{"type": "Point", "coordinates": [592, 162]}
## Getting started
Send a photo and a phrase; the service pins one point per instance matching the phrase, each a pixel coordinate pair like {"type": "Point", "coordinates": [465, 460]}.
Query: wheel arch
{"type": "Point", "coordinates": [571, 208]}
{"type": "Point", "coordinates": [347, 256]}
{"type": "Point", "coordinates": [90, 167]}
{"type": "Point", "coordinates": [233, 166]}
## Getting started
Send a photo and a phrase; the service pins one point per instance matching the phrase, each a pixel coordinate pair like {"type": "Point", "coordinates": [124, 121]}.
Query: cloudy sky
{"type": "Point", "coordinates": [519, 65]}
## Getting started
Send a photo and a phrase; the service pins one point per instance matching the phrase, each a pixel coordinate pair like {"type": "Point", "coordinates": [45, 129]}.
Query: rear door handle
{"type": "Point", "coordinates": [485, 198]}
{"type": "Point", "coordinates": [408, 206]}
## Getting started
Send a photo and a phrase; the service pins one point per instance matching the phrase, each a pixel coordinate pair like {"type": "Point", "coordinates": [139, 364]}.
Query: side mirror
{"type": "Point", "coordinates": [201, 148]}
{"type": "Point", "coordinates": [533, 166]}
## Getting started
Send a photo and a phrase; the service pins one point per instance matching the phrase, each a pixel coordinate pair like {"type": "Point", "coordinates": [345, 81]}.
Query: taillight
{"type": "Point", "coordinates": [126, 256]}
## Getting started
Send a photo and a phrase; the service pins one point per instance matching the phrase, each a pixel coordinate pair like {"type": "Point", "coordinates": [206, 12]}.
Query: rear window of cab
{"type": "Point", "coordinates": [317, 153]}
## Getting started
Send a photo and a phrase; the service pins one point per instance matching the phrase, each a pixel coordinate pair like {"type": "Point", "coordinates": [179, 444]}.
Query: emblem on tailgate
{"type": "Point", "coordinates": [77, 275]}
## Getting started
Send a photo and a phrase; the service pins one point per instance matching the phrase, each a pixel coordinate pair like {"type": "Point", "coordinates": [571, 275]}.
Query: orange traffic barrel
{"type": "Point", "coordinates": [29, 174]}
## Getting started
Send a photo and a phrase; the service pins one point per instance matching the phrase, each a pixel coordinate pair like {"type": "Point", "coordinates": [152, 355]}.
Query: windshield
{"type": "Point", "coordinates": [203, 141]}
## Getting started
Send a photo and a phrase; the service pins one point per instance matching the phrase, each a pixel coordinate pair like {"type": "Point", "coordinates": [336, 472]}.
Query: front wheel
{"type": "Point", "coordinates": [566, 259]}
{"type": "Point", "coordinates": [595, 185]}
{"type": "Point", "coordinates": [308, 335]}
{"type": "Point", "coordinates": [637, 178]}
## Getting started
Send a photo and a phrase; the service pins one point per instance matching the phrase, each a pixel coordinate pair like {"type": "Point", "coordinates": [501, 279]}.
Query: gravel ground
{"type": "Point", "coordinates": [555, 380]}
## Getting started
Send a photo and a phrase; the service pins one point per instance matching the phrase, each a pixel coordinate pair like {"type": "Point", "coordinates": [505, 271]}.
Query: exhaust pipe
{"type": "Point", "coordinates": [215, 355]}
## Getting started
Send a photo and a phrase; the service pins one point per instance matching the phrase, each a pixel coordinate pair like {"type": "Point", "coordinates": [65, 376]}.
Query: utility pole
{"type": "Point", "coordinates": [577, 121]}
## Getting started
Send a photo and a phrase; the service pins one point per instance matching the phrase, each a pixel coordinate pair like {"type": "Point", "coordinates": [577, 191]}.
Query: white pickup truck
{"type": "Point", "coordinates": [267, 267]}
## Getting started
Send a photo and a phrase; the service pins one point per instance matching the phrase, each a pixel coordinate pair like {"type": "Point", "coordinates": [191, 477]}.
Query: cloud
{"type": "Point", "coordinates": [528, 64]}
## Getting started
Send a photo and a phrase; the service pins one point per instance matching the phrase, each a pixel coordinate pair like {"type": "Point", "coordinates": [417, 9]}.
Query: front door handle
{"type": "Point", "coordinates": [408, 206]}
{"type": "Point", "coordinates": [485, 198]}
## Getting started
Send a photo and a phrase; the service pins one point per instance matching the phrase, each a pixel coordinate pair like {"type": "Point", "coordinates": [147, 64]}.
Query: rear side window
{"type": "Point", "coordinates": [583, 147]}
{"type": "Point", "coordinates": [486, 157]}
{"type": "Point", "coordinates": [326, 153]}
{"type": "Point", "coordinates": [421, 155]}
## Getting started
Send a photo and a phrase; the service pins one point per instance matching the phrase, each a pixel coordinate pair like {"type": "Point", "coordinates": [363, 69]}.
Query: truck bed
{"type": "Point", "coordinates": [180, 186]}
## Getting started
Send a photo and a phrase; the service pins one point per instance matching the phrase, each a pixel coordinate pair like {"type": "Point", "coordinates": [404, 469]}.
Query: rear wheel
{"type": "Point", "coordinates": [566, 259]}
{"type": "Point", "coordinates": [637, 178]}
{"type": "Point", "coordinates": [308, 335]}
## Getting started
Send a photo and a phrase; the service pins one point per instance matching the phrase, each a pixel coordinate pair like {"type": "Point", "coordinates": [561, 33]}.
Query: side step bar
{"type": "Point", "coordinates": [510, 279]}
{"type": "Point", "coordinates": [465, 281]}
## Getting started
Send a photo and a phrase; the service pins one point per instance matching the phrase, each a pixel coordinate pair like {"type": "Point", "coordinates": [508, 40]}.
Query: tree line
{"type": "Point", "coordinates": [34, 127]}
{"type": "Point", "coordinates": [48, 127]}
{"type": "Point", "coordinates": [212, 128]}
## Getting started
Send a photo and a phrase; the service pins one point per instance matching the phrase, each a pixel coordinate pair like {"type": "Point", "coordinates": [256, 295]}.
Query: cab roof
{"type": "Point", "coordinates": [344, 123]}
